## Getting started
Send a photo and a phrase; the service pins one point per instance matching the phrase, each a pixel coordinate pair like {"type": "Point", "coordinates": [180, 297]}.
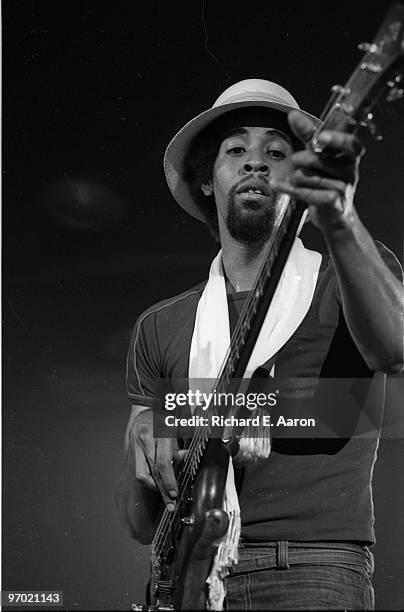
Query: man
{"type": "Point", "coordinates": [305, 509]}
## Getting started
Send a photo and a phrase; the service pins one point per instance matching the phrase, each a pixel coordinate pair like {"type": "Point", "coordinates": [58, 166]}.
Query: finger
{"type": "Point", "coordinates": [335, 143]}
{"type": "Point", "coordinates": [144, 455]}
{"type": "Point", "coordinates": [179, 455]}
{"type": "Point", "coordinates": [339, 144]}
{"type": "Point", "coordinates": [158, 455]}
{"type": "Point", "coordinates": [163, 472]}
{"type": "Point", "coordinates": [137, 460]}
{"type": "Point", "coordinates": [309, 195]}
{"type": "Point", "coordinates": [313, 181]}
{"type": "Point", "coordinates": [142, 472]}
{"type": "Point", "coordinates": [341, 169]}
{"type": "Point", "coordinates": [302, 126]}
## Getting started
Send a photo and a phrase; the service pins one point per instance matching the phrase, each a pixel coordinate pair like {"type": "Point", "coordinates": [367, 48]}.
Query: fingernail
{"type": "Point", "coordinates": [324, 137]}
{"type": "Point", "coordinates": [171, 507]}
{"type": "Point", "coordinates": [173, 493]}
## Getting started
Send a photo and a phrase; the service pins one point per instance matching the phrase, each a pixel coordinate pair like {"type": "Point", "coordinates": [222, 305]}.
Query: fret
{"type": "Point", "coordinates": [283, 226]}
{"type": "Point", "coordinates": [270, 261]}
{"type": "Point", "coordinates": [268, 270]}
{"type": "Point", "coordinates": [230, 365]}
{"type": "Point", "coordinates": [258, 292]}
{"type": "Point", "coordinates": [242, 340]}
{"type": "Point", "coordinates": [226, 376]}
{"type": "Point", "coordinates": [235, 346]}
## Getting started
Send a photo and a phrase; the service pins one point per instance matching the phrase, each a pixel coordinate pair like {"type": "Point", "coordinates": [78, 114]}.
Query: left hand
{"type": "Point", "coordinates": [325, 181]}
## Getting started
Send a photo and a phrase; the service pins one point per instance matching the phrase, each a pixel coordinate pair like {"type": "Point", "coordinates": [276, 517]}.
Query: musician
{"type": "Point", "coordinates": [306, 511]}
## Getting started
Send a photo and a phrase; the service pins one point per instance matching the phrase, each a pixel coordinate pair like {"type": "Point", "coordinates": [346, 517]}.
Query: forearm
{"type": "Point", "coordinates": [138, 506]}
{"type": "Point", "coordinates": [148, 478]}
{"type": "Point", "coordinates": [372, 298]}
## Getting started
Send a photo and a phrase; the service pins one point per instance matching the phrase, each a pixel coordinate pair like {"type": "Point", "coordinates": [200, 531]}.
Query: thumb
{"type": "Point", "coordinates": [178, 455]}
{"type": "Point", "coordinates": [302, 126]}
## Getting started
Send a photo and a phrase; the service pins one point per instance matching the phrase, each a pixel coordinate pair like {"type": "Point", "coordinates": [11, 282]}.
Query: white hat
{"type": "Point", "coordinates": [244, 94]}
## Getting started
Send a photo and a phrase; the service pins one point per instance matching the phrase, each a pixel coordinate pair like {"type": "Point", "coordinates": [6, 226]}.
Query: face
{"type": "Point", "coordinates": [247, 158]}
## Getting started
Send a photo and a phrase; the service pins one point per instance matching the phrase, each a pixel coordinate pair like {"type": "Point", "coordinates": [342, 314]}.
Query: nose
{"type": "Point", "coordinates": [256, 164]}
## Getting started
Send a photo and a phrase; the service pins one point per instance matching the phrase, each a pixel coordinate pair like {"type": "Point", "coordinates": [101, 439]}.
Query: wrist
{"type": "Point", "coordinates": [341, 225]}
{"type": "Point", "coordinates": [346, 238]}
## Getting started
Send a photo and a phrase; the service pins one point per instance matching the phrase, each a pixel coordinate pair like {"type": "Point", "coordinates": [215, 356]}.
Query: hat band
{"type": "Point", "coordinates": [253, 97]}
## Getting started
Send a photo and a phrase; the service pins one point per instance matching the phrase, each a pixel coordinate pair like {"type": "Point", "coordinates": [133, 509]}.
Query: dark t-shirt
{"type": "Point", "coordinates": [308, 490]}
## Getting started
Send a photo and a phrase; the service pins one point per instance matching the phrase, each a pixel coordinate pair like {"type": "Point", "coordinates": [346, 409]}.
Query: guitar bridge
{"type": "Point", "coordinates": [165, 586]}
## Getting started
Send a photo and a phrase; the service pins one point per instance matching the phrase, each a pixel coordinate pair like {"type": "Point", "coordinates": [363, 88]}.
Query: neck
{"type": "Point", "coordinates": [241, 263]}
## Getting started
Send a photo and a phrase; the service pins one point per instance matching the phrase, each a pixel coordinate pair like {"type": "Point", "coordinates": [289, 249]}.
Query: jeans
{"type": "Point", "coordinates": [301, 576]}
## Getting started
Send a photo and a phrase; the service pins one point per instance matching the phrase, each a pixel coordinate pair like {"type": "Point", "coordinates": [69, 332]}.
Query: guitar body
{"type": "Point", "coordinates": [181, 581]}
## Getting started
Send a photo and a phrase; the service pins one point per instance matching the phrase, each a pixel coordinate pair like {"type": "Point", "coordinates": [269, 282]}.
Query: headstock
{"type": "Point", "coordinates": [378, 76]}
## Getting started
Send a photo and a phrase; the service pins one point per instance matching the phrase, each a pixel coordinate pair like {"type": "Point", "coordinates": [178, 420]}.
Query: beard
{"type": "Point", "coordinates": [250, 228]}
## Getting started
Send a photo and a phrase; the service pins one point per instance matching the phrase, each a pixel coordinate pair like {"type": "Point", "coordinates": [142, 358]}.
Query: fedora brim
{"type": "Point", "coordinates": [177, 149]}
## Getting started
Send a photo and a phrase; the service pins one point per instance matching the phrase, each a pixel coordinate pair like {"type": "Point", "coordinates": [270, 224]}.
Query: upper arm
{"type": "Point", "coordinates": [144, 361]}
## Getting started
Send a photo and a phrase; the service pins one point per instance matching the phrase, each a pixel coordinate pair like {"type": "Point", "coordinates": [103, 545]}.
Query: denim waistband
{"type": "Point", "coordinates": [283, 554]}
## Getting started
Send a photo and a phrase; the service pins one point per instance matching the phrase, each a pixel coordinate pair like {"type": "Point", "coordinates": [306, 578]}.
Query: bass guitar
{"type": "Point", "coordinates": [186, 540]}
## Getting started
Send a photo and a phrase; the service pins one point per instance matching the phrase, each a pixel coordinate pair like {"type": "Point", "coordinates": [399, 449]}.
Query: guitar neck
{"type": "Point", "coordinates": [252, 317]}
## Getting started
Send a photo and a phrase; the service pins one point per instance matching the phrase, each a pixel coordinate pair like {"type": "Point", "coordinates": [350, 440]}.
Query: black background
{"type": "Point", "coordinates": [91, 236]}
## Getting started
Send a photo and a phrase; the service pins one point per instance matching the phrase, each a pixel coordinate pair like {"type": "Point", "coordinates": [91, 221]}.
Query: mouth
{"type": "Point", "coordinates": [254, 192]}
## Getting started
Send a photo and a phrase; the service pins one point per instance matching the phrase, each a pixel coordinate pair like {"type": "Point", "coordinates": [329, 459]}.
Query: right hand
{"type": "Point", "coordinates": [154, 458]}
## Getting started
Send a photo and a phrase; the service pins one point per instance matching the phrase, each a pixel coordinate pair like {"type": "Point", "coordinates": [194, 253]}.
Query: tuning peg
{"type": "Point", "coordinates": [394, 94]}
{"type": "Point", "coordinates": [339, 89]}
{"type": "Point", "coordinates": [372, 127]}
{"type": "Point", "coordinates": [368, 47]}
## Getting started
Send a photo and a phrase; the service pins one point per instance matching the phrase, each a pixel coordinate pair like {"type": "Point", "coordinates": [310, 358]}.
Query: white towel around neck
{"type": "Point", "coordinates": [209, 346]}
{"type": "Point", "coordinates": [291, 301]}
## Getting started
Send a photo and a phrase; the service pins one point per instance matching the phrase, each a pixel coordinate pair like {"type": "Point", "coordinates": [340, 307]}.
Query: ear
{"type": "Point", "coordinates": [207, 188]}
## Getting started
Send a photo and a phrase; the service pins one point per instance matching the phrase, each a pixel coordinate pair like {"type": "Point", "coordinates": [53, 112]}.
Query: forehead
{"type": "Point", "coordinates": [251, 117]}
{"type": "Point", "coordinates": [260, 132]}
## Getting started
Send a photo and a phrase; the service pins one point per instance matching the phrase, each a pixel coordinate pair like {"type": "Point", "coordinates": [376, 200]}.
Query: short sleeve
{"type": "Point", "coordinates": [390, 260]}
{"type": "Point", "coordinates": [143, 369]}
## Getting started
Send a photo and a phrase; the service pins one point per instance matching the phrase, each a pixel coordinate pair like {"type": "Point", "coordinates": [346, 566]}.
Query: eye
{"type": "Point", "coordinates": [276, 154]}
{"type": "Point", "coordinates": [238, 150]}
